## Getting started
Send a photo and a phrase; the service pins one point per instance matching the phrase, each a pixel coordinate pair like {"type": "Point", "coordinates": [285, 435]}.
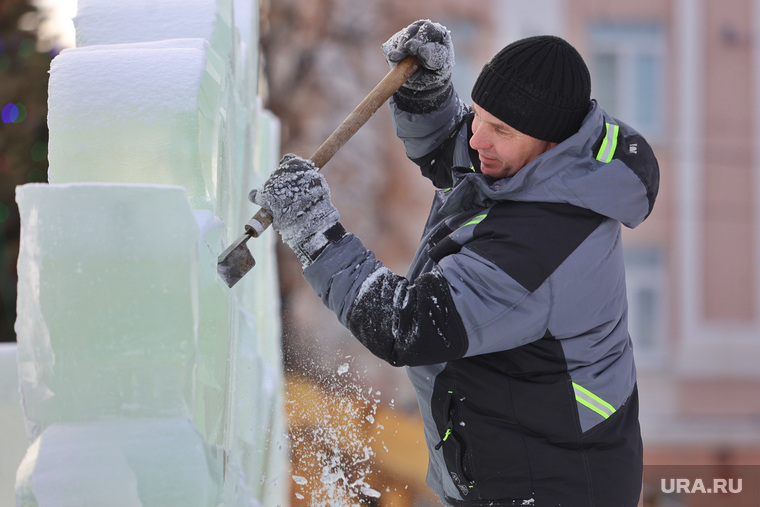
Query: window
{"type": "Point", "coordinates": [628, 74]}
{"type": "Point", "coordinates": [464, 34]}
{"type": "Point", "coordinates": [645, 282]}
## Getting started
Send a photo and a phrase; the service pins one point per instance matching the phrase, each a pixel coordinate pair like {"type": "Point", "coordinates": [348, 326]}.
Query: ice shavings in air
{"type": "Point", "coordinates": [333, 434]}
{"type": "Point", "coordinates": [372, 493]}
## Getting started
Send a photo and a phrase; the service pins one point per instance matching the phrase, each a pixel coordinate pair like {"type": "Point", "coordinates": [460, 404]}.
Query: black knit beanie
{"type": "Point", "coordinates": [539, 86]}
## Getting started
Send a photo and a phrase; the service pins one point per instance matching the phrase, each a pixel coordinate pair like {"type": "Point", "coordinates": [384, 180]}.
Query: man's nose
{"type": "Point", "coordinates": [479, 140]}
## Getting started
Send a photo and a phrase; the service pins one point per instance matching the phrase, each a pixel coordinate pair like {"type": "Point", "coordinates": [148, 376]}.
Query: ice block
{"type": "Point", "coordinates": [255, 434]}
{"type": "Point", "coordinates": [101, 22]}
{"type": "Point", "coordinates": [107, 302]}
{"type": "Point", "coordinates": [13, 441]}
{"type": "Point", "coordinates": [120, 463]}
{"type": "Point", "coordinates": [246, 21]}
{"type": "Point", "coordinates": [136, 361]}
{"type": "Point", "coordinates": [148, 114]}
{"type": "Point", "coordinates": [211, 370]}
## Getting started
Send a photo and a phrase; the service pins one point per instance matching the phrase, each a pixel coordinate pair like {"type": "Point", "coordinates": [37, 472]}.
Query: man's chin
{"type": "Point", "coordinates": [492, 170]}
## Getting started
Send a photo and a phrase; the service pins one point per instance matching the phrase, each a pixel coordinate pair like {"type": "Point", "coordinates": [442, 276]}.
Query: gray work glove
{"type": "Point", "coordinates": [429, 87]}
{"type": "Point", "coordinates": [298, 199]}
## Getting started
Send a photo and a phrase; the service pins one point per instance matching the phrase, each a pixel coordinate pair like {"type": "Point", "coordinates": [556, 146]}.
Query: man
{"type": "Point", "coordinates": [513, 318]}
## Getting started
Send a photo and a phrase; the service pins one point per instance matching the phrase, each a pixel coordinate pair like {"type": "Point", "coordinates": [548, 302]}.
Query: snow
{"type": "Point", "coordinates": [370, 280]}
{"type": "Point", "coordinates": [91, 79]}
{"type": "Point", "coordinates": [101, 102]}
{"type": "Point", "coordinates": [372, 493]}
{"type": "Point", "coordinates": [299, 199]}
{"type": "Point", "coordinates": [107, 22]}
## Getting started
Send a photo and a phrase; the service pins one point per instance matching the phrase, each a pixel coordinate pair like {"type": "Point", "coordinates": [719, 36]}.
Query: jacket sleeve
{"type": "Point", "coordinates": [400, 322]}
{"type": "Point", "coordinates": [436, 141]}
{"type": "Point", "coordinates": [464, 307]}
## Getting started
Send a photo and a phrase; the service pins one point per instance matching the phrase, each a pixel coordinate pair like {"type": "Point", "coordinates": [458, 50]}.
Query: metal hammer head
{"type": "Point", "coordinates": [235, 261]}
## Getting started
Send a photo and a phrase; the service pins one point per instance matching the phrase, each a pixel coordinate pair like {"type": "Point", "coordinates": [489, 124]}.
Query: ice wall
{"type": "Point", "coordinates": [144, 380]}
{"type": "Point", "coordinates": [13, 441]}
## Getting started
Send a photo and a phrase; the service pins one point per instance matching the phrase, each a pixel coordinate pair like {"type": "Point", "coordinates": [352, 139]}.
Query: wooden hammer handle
{"type": "Point", "coordinates": [353, 122]}
{"type": "Point", "coordinates": [366, 108]}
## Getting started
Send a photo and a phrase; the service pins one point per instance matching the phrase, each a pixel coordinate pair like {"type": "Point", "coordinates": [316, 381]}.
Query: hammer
{"type": "Point", "coordinates": [237, 260]}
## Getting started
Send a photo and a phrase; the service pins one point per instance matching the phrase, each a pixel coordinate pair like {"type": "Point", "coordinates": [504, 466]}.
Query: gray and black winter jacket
{"type": "Point", "coordinates": [513, 317]}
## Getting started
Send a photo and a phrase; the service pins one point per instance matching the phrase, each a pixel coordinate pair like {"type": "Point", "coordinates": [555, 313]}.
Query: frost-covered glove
{"type": "Point", "coordinates": [298, 199]}
{"type": "Point", "coordinates": [429, 87]}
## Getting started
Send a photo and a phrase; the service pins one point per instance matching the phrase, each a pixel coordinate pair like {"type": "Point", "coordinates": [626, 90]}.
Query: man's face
{"type": "Point", "coordinates": [502, 150]}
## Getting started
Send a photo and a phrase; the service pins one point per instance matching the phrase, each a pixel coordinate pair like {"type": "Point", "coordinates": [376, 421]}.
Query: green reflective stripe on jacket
{"type": "Point", "coordinates": [609, 145]}
{"type": "Point", "coordinates": [476, 220]}
{"type": "Point", "coordinates": [592, 401]}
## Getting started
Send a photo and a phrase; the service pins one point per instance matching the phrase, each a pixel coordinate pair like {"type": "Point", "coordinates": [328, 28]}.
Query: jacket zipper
{"type": "Point", "coordinates": [445, 436]}
{"type": "Point", "coordinates": [461, 480]}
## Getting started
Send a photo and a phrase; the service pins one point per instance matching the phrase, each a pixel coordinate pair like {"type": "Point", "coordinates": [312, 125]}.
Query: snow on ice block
{"type": "Point", "coordinates": [138, 113]}
{"type": "Point", "coordinates": [117, 21]}
{"type": "Point", "coordinates": [119, 463]}
{"type": "Point", "coordinates": [107, 302]}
